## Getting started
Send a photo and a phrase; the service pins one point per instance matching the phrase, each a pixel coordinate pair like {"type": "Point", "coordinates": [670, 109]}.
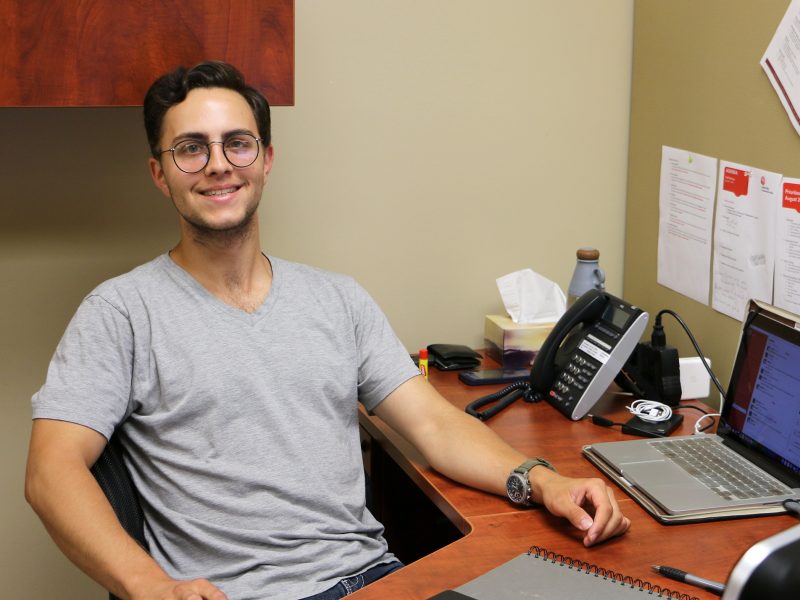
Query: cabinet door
{"type": "Point", "coordinates": [108, 52]}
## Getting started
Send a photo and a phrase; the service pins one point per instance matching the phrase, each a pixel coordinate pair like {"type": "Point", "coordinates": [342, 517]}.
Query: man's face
{"type": "Point", "coordinates": [220, 197]}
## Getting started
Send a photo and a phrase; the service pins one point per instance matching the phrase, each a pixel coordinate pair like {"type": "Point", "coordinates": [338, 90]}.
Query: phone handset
{"type": "Point", "coordinates": [585, 351]}
{"type": "Point", "coordinates": [588, 307]}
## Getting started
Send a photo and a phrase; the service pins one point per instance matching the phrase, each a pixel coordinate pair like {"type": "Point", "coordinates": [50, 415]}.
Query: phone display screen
{"type": "Point", "coordinates": [616, 316]}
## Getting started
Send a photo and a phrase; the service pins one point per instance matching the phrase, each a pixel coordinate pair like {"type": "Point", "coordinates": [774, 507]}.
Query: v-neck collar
{"type": "Point", "coordinates": [185, 278]}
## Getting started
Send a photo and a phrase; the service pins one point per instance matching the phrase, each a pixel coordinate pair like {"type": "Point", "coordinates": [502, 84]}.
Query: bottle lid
{"type": "Point", "coordinates": [588, 254]}
{"type": "Point", "coordinates": [423, 353]}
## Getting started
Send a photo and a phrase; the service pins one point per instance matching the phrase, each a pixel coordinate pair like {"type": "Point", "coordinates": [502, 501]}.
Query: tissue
{"type": "Point", "coordinates": [531, 298]}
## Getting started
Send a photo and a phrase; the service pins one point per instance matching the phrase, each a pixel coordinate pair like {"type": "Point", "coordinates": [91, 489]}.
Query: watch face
{"type": "Point", "coordinates": [517, 489]}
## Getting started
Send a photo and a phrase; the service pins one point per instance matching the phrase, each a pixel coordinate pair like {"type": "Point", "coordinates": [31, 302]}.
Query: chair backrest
{"type": "Point", "coordinates": [114, 479]}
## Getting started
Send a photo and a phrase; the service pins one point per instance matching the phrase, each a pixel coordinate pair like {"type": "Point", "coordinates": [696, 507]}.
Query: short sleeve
{"type": "Point", "coordinates": [89, 377]}
{"type": "Point", "coordinates": [383, 361]}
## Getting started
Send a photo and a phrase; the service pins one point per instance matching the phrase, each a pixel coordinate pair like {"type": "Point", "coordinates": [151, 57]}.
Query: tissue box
{"type": "Point", "coordinates": [513, 345]}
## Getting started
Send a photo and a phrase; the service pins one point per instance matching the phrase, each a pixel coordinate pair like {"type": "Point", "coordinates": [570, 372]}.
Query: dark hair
{"type": "Point", "coordinates": [172, 88]}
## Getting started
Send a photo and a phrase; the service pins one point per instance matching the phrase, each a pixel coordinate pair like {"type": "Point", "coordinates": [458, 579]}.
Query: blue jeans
{"type": "Point", "coordinates": [352, 584]}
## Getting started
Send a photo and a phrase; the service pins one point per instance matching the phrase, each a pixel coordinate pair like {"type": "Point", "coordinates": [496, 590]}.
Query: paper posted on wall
{"type": "Point", "coordinates": [781, 61]}
{"type": "Point", "coordinates": [787, 248]}
{"type": "Point", "coordinates": [744, 228]}
{"type": "Point", "coordinates": [686, 211]}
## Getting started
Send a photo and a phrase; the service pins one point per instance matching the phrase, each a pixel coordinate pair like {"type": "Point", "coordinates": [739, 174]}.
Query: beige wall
{"type": "Point", "coordinates": [697, 85]}
{"type": "Point", "coordinates": [433, 147]}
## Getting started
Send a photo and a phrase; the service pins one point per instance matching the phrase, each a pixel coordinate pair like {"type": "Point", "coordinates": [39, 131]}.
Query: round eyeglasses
{"type": "Point", "coordinates": [191, 156]}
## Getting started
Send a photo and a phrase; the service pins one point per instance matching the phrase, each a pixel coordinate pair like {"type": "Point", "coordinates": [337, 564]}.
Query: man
{"type": "Point", "coordinates": [249, 468]}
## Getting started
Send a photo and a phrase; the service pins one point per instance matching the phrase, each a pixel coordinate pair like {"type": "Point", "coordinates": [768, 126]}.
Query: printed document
{"type": "Point", "coordinates": [744, 249]}
{"type": "Point", "coordinates": [781, 63]}
{"type": "Point", "coordinates": [685, 215]}
{"type": "Point", "coordinates": [787, 248]}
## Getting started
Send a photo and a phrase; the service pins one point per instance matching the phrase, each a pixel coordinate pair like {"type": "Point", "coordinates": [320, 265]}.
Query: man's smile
{"type": "Point", "coordinates": [220, 191]}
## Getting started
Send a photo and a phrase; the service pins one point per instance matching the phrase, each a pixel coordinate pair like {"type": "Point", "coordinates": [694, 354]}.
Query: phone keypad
{"type": "Point", "coordinates": [572, 381]}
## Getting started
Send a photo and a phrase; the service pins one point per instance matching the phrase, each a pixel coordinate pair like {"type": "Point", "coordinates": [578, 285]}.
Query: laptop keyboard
{"type": "Point", "coordinates": [720, 469]}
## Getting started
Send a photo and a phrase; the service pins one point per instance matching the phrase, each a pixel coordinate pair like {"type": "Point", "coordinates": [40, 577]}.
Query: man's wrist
{"type": "Point", "coordinates": [521, 488]}
{"type": "Point", "coordinates": [540, 476]}
{"type": "Point", "coordinates": [144, 579]}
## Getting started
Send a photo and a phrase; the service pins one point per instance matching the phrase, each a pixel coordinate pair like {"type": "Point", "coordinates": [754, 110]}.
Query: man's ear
{"type": "Point", "coordinates": [157, 173]}
{"type": "Point", "coordinates": [269, 156]}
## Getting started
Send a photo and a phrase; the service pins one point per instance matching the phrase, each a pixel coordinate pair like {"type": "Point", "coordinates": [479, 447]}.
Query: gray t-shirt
{"type": "Point", "coordinates": [242, 429]}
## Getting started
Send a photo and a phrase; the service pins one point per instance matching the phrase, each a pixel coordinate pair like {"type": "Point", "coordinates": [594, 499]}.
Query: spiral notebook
{"type": "Point", "coordinates": [543, 575]}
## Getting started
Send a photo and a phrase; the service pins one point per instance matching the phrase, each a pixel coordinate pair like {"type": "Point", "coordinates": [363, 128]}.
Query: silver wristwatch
{"type": "Point", "coordinates": [518, 485]}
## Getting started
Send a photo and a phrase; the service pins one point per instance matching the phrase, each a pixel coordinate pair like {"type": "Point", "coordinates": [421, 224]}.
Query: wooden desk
{"type": "Point", "coordinates": [494, 531]}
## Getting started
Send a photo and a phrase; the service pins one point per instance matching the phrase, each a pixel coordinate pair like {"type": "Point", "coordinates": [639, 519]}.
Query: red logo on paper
{"type": "Point", "coordinates": [791, 196]}
{"type": "Point", "coordinates": [735, 181]}
{"type": "Point", "coordinates": [763, 180]}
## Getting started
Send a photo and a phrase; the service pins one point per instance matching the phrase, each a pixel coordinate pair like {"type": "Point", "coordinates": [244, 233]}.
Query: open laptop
{"type": "Point", "coordinates": [757, 439]}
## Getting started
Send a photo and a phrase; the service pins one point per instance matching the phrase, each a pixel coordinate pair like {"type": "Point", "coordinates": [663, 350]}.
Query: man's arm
{"type": "Point", "coordinates": [62, 490]}
{"type": "Point", "coordinates": [463, 448]}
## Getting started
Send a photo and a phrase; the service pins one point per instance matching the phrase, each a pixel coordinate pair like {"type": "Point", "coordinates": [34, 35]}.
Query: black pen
{"type": "Point", "coordinates": [672, 573]}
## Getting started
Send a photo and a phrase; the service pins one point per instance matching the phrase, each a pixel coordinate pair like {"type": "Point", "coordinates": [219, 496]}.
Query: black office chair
{"type": "Point", "coordinates": [114, 479]}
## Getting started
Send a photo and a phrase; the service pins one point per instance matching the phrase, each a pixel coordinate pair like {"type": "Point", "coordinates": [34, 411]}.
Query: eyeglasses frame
{"type": "Point", "coordinates": [259, 142]}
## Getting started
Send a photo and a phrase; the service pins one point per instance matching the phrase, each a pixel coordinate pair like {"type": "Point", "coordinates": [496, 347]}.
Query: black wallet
{"type": "Point", "coordinates": [449, 357]}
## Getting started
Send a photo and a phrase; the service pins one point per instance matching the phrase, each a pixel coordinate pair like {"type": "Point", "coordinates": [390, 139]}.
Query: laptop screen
{"type": "Point", "coordinates": [762, 410]}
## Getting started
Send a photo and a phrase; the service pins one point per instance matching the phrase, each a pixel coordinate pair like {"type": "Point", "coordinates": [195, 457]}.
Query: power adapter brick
{"type": "Point", "coordinates": [695, 382]}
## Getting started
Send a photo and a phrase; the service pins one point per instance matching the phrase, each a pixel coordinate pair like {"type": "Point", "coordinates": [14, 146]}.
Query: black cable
{"type": "Point", "coordinates": [603, 421]}
{"type": "Point", "coordinates": [711, 423]}
{"type": "Point", "coordinates": [694, 343]}
{"type": "Point", "coordinates": [504, 398]}
{"type": "Point", "coordinates": [711, 420]}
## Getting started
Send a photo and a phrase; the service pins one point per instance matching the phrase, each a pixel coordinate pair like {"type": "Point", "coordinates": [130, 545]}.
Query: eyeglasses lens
{"type": "Point", "coordinates": [192, 156]}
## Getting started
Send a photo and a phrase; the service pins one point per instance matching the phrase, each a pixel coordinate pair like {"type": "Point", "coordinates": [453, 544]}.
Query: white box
{"type": "Point", "coordinates": [695, 381]}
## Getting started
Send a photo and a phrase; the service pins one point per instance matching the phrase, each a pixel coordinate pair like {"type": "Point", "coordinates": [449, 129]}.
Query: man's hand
{"type": "Point", "coordinates": [197, 589]}
{"type": "Point", "coordinates": [588, 504]}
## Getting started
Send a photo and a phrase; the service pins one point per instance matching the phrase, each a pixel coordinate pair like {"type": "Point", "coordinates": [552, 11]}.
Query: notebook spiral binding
{"type": "Point", "coordinates": [574, 563]}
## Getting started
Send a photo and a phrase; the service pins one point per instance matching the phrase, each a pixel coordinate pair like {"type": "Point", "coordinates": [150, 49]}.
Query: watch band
{"type": "Point", "coordinates": [534, 462]}
{"type": "Point", "coordinates": [523, 471]}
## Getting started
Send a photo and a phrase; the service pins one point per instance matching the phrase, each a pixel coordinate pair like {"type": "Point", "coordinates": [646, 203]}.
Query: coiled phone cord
{"type": "Point", "coordinates": [504, 398]}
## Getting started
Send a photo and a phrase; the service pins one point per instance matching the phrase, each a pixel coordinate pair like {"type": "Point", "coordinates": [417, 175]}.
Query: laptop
{"type": "Point", "coordinates": [752, 463]}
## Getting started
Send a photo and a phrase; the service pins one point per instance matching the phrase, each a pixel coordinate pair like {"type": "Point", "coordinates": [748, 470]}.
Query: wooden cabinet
{"type": "Point", "coordinates": [108, 52]}
{"type": "Point", "coordinates": [414, 526]}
